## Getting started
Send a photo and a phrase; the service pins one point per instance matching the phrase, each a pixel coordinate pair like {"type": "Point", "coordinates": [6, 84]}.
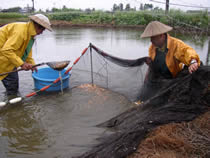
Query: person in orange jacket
{"type": "Point", "coordinates": [16, 41]}
{"type": "Point", "coordinates": [169, 54]}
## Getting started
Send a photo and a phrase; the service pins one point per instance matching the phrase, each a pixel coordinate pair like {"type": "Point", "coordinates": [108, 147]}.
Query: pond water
{"type": "Point", "coordinates": [64, 125]}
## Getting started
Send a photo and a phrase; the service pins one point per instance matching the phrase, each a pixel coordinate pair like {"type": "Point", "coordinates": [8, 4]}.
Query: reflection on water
{"type": "Point", "coordinates": [55, 125]}
{"type": "Point", "coordinates": [61, 80]}
{"type": "Point", "coordinates": [68, 43]}
{"type": "Point", "coordinates": [21, 132]}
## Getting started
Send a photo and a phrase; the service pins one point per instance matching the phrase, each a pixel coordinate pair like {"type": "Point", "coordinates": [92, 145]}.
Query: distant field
{"type": "Point", "coordinates": [132, 18]}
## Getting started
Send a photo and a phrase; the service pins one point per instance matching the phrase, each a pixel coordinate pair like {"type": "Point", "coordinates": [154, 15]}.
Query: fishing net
{"type": "Point", "coordinates": [125, 76]}
{"type": "Point", "coordinates": [58, 65]}
{"type": "Point", "coordinates": [164, 100]}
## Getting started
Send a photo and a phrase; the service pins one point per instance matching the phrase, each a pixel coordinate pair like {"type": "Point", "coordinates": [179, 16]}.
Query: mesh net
{"type": "Point", "coordinates": [58, 65]}
{"type": "Point", "coordinates": [119, 75]}
{"type": "Point", "coordinates": [165, 100]}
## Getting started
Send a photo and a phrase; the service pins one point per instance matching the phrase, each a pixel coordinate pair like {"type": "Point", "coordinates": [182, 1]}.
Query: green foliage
{"type": "Point", "coordinates": [15, 9]}
{"type": "Point", "coordinates": [67, 16]}
{"type": "Point", "coordinates": [12, 15]}
{"type": "Point", "coordinates": [132, 18]}
{"type": "Point", "coordinates": [180, 18]}
{"type": "Point", "coordinates": [64, 9]}
{"type": "Point", "coordinates": [120, 18]}
{"type": "Point", "coordinates": [174, 18]}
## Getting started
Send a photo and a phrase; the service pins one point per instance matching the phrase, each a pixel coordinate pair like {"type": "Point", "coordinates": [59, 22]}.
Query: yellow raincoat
{"type": "Point", "coordinates": [14, 39]}
{"type": "Point", "coordinates": [178, 54]}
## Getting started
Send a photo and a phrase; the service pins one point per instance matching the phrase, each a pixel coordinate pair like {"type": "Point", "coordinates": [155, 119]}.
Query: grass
{"type": "Point", "coordinates": [175, 18]}
{"type": "Point", "coordinates": [11, 17]}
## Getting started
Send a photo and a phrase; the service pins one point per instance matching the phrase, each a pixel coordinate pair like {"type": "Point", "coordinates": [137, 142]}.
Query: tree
{"type": "Point", "coordinates": [141, 7]}
{"type": "Point", "coordinates": [88, 10]}
{"type": "Point", "coordinates": [167, 6]}
{"type": "Point", "coordinates": [33, 9]}
{"type": "Point", "coordinates": [121, 7]}
{"type": "Point", "coordinates": [127, 7]}
{"type": "Point", "coordinates": [148, 6]}
{"type": "Point", "coordinates": [157, 8]}
{"type": "Point", "coordinates": [115, 7]}
{"type": "Point", "coordinates": [15, 9]}
{"type": "Point", "coordinates": [64, 8]}
{"type": "Point", "coordinates": [55, 9]}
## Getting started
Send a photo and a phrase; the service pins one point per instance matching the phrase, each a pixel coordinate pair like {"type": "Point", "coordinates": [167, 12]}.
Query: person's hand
{"type": "Point", "coordinates": [148, 60]}
{"type": "Point", "coordinates": [193, 67]}
{"type": "Point", "coordinates": [27, 66]}
{"type": "Point", "coordinates": [34, 69]}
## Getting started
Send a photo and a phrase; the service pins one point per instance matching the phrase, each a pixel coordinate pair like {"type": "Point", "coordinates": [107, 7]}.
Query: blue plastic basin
{"type": "Point", "coordinates": [46, 76]}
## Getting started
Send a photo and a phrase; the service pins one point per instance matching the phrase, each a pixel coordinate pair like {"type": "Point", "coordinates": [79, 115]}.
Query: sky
{"type": "Point", "coordinates": [102, 4]}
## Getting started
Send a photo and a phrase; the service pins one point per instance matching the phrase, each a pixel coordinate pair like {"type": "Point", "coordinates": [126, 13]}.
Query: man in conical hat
{"type": "Point", "coordinates": [16, 41]}
{"type": "Point", "coordinates": [168, 53]}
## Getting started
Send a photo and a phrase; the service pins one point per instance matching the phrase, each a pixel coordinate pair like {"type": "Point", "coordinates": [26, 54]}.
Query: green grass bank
{"type": "Point", "coordinates": [175, 18]}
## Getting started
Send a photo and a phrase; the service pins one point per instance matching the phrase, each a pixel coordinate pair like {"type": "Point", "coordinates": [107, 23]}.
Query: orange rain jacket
{"type": "Point", "coordinates": [178, 54]}
{"type": "Point", "coordinates": [14, 38]}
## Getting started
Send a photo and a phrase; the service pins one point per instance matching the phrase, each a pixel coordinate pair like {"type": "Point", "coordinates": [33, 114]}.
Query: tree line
{"type": "Point", "coordinates": [146, 6]}
{"type": "Point", "coordinates": [116, 7]}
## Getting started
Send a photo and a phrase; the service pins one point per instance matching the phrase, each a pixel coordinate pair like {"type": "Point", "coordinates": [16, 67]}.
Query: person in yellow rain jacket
{"type": "Point", "coordinates": [16, 41]}
{"type": "Point", "coordinates": [169, 54]}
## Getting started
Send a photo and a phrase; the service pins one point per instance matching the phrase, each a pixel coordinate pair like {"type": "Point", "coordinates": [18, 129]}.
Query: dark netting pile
{"type": "Point", "coordinates": [165, 101]}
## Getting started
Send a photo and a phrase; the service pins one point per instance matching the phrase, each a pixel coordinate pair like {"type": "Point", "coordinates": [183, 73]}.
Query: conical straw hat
{"type": "Point", "coordinates": [41, 20]}
{"type": "Point", "coordinates": [155, 28]}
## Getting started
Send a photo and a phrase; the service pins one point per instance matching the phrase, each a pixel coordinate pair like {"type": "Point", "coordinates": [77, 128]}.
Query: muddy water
{"type": "Point", "coordinates": [56, 124]}
{"type": "Point", "coordinates": [63, 125]}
